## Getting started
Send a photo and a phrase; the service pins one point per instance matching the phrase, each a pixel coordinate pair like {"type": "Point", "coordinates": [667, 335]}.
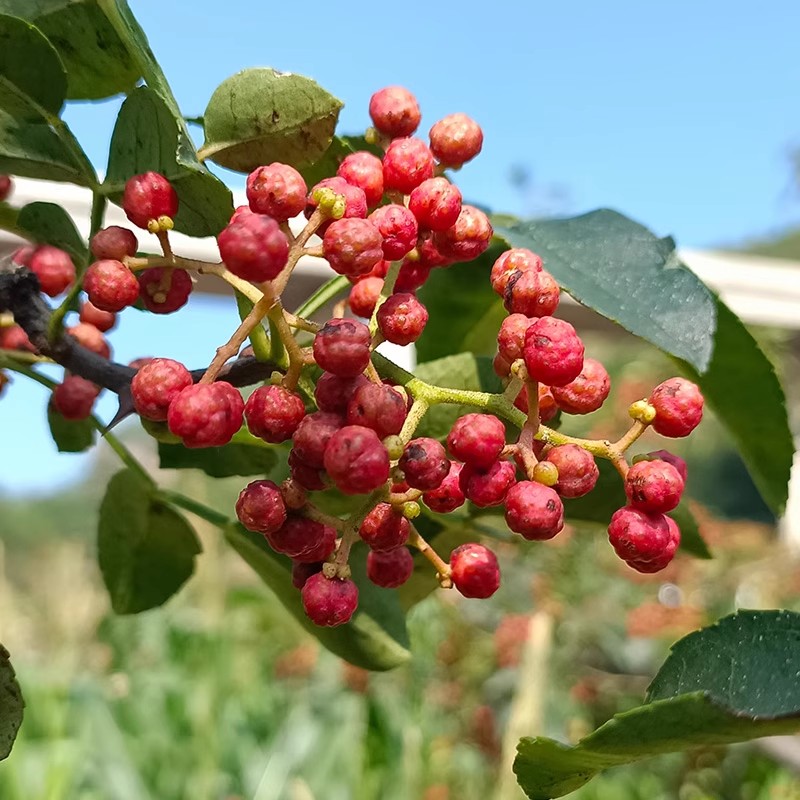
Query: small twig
{"type": "Point", "coordinates": [442, 567]}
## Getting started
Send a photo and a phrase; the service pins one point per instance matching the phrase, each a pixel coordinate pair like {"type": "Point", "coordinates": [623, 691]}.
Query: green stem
{"type": "Point", "coordinates": [210, 515]}
{"type": "Point", "coordinates": [415, 415]}
{"type": "Point", "coordinates": [388, 287]}
{"type": "Point", "coordinates": [323, 295]}
{"type": "Point", "coordinates": [258, 336]}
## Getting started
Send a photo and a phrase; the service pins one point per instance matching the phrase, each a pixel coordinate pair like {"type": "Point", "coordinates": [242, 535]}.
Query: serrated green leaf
{"type": "Point", "coordinates": [49, 223]}
{"type": "Point", "coordinates": [219, 462]}
{"type": "Point", "coordinates": [70, 436]}
{"type": "Point", "coordinates": [259, 115]}
{"type": "Point", "coordinates": [11, 704]}
{"type": "Point", "coordinates": [145, 548]}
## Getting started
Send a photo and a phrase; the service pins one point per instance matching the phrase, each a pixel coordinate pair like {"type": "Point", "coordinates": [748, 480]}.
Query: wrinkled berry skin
{"type": "Point", "coordinates": [679, 407]}
{"type": "Point", "coordinates": [352, 247]}
{"type": "Point", "coordinates": [159, 302]}
{"type": "Point", "coordinates": [402, 318]}
{"type": "Point", "coordinates": [477, 439]}
{"type": "Point", "coordinates": [670, 458]}
{"type": "Point", "coordinates": [395, 111]}
{"type": "Point", "coordinates": [273, 413]}
{"type": "Point", "coordinates": [364, 296]}
{"type": "Point", "coordinates": [333, 393]}
{"type": "Point", "coordinates": [276, 190]}
{"type": "Point", "coordinates": [260, 507]}
{"type": "Point", "coordinates": [513, 263]}
{"type": "Point", "coordinates": [487, 487]}
{"type": "Point", "coordinates": [447, 496]}
{"type": "Point", "coordinates": [587, 392]}
{"type": "Point", "coordinates": [384, 528]}
{"type": "Point", "coordinates": [306, 476]}
{"type": "Point", "coordinates": [147, 197]}
{"type": "Point", "coordinates": [406, 164]}
{"type": "Point", "coordinates": [54, 269]}
{"type": "Point", "coordinates": [156, 385]}
{"type": "Point", "coordinates": [303, 539]}
{"type": "Point", "coordinates": [206, 414]}
{"type": "Point", "coordinates": [412, 276]}
{"type": "Point", "coordinates": [456, 139]}
{"type": "Point", "coordinates": [390, 568]}
{"type": "Point", "coordinates": [534, 511]}
{"type": "Point", "coordinates": [577, 470]}
{"type": "Point", "coordinates": [534, 294]}
{"type": "Point", "coordinates": [341, 346]}
{"type": "Point", "coordinates": [474, 570]}
{"type": "Point", "coordinates": [511, 337]}
{"type": "Point", "coordinates": [547, 405]}
{"type": "Point", "coordinates": [436, 203]}
{"type": "Point", "coordinates": [467, 238]}
{"type": "Point", "coordinates": [364, 170]}
{"type": "Point", "coordinates": [398, 227]}
{"type": "Point", "coordinates": [110, 285]}
{"type": "Point", "coordinates": [653, 486]}
{"type": "Point", "coordinates": [74, 398]}
{"type": "Point", "coordinates": [91, 338]}
{"type": "Point", "coordinates": [102, 320]}
{"type": "Point", "coordinates": [646, 542]}
{"type": "Point", "coordinates": [424, 463]}
{"type": "Point", "coordinates": [329, 601]}
{"type": "Point", "coordinates": [114, 242]}
{"type": "Point", "coordinates": [379, 407]}
{"type": "Point", "coordinates": [355, 460]}
{"type": "Point", "coordinates": [254, 248]}
{"type": "Point", "coordinates": [553, 352]}
{"type": "Point", "coordinates": [312, 437]}
{"type": "Point", "coordinates": [354, 198]}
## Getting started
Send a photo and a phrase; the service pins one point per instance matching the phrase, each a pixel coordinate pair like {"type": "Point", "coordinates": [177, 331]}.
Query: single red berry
{"type": "Point", "coordinates": [206, 414]}
{"type": "Point", "coordinates": [644, 541]}
{"type": "Point", "coordinates": [587, 392]}
{"type": "Point", "coordinates": [140, 362]}
{"type": "Point", "coordinates": [477, 439]}
{"type": "Point", "coordinates": [22, 256]}
{"type": "Point", "coordinates": [511, 337]}
{"type": "Point", "coordinates": [54, 269]}
{"type": "Point", "coordinates": [670, 458]}
{"type": "Point", "coordinates": [384, 528]}
{"type": "Point", "coordinates": [341, 346]}
{"type": "Point", "coordinates": [356, 460]}
{"type": "Point", "coordinates": [114, 243]}
{"type": "Point", "coordinates": [577, 470]}
{"type": "Point", "coordinates": [487, 487]}
{"type": "Point", "coordinates": [14, 338]}
{"type": "Point", "coordinates": [364, 170]}
{"type": "Point", "coordinates": [352, 246]}
{"type": "Point", "coordinates": [148, 197]}
{"type": "Point", "coordinates": [412, 276]}
{"type": "Point", "coordinates": [654, 486]}
{"type": "Point", "coordinates": [312, 437]}
{"type": "Point", "coordinates": [90, 337]}
{"type": "Point", "coordinates": [329, 601]}
{"type": "Point", "coordinates": [547, 404]}
{"type": "Point", "coordinates": [320, 547]}
{"type": "Point", "coordinates": [364, 296]}
{"type": "Point", "coordinates": [302, 572]}
{"type": "Point", "coordinates": [355, 201]}
{"type": "Point", "coordinates": [406, 164]}
{"type": "Point", "coordinates": [239, 212]}
{"type": "Point", "coordinates": [553, 352]}
{"type": "Point", "coordinates": [467, 238]}
{"type": "Point", "coordinates": [429, 255]}
{"type": "Point", "coordinates": [447, 496]}
{"type": "Point", "coordinates": [436, 203]}
{"type": "Point", "coordinates": [474, 570]}
{"type": "Point", "coordinates": [379, 407]}
{"type": "Point", "coordinates": [424, 463]}
{"type": "Point", "coordinates": [534, 511]}
{"type": "Point", "coordinates": [402, 318]}
{"type": "Point", "coordinates": [394, 111]}
{"type": "Point", "coordinates": [398, 227]}
{"type": "Point", "coordinates": [273, 413]}
{"type": "Point", "coordinates": [163, 293]}
{"type": "Point", "coordinates": [102, 320]}
{"type": "Point", "coordinates": [74, 398]}
{"type": "Point", "coordinates": [513, 263]}
{"type": "Point", "coordinates": [6, 185]}
{"type": "Point", "coordinates": [534, 294]}
{"type": "Point", "coordinates": [679, 407]}
{"type": "Point", "coordinates": [456, 139]}
{"type": "Point", "coordinates": [308, 477]}
{"type": "Point", "coordinates": [303, 539]}
{"type": "Point", "coordinates": [276, 190]}
{"type": "Point", "coordinates": [254, 248]}
{"type": "Point", "coordinates": [110, 285]}
{"type": "Point", "coordinates": [156, 385]}
{"type": "Point", "coordinates": [390, 568]}
{"type": "Point", "coordinates": [260, 507]}
{"type": "Point", "coordinates": [293, 494]}
{"type": "Point", "coordinates": [333, 393]}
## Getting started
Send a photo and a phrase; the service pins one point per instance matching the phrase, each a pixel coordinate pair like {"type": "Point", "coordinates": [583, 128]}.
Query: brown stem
{"type": "Point", "coordinates": [442, 568]}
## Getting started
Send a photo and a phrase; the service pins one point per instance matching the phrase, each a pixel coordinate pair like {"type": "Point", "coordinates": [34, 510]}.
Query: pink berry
{"type": "Point", "coordinates": [402, 318]}
{"type": "Point", "coordinates": [679, 407]}
{"type": "Point", "coordinates": [429, 255]}
{"type": "Point", "coordinates": [390, 568]}
{"type": "Point", "coordinates": [364, 170]}
{"type": "Point", "coordinates": [14, 338]}
{"type": "Point", "coordinates": [352, 246]}
{"type": "Point", "coordinates": [312, 436]}
{"type": "Point", "coordinates": [412, 276]}
{"type": "Point", "coordinates": [355, 460]}
{"type": "Point", "coordinates": [395, 111]}
{"type": "Point", "coordinates": [274, 413]}
{"type": "Point", "coordinates": [54, 269]}
{"type": "Point", "coordinates": [534, 511]}
{"type": "Point", "coordinates": [477, 439]}
{"type": "Point", "coordinates": [342, 346]}
{"type": "Point", "coordinates": [547, 405]}
{"type": "Point", "coordinates": [406, 164]}
{"type": "Point", "coordinates": [91, 338]}
{"type": "Point", "coordinates": [644, 541]}
{"type": "Point", "coordinates": [654, 486]}
{"type": "Point", "coordinates": [110, 285]}
{"type": "Point", "coordinates": [447, 496]}
{"type": "Point", "coordinates": [302, 572]}
{"type": "Point", "coordinates": [333, 393]}
{"type": "Point", "coordinates": [22, 256]}
{"type": "Point", "coordinates": [6, 185]}
{"type": "Point", "coordinates": [239, 212]}
{"type": "Point", "coordinates": [114, 242]}
{"type": "Point", "coordinates": [467, 238]}
{"type": "Point", "coordinates": [329, 601]}
{"type": "Point", "coordinates": [436, 203]}
{"type": "Point", "coordinates": [254, 248]}
{"type": "Point", "coordinates": [260, 507]}
{"type": "Point", "coordinates": [474, 570]}
{"type": "Point", "coordinates": [74, 398]}
{"type": "Point", "coordinates": [156, 385]}
{"type": "Point", "coordinates": [206, 414]}
{"type": "Point", "coordinates": [534, 294]}
{"type": "Point", "coordinates": [670, 458]}
{"type": "Point", "coordinates": [511, 337]}
{"type": "Point", "coordinates": [102, 320]}
{"type": "Point", "coordinates": [456, 139]}
{"type": "Point", "coordinates": [303, 539]}
{"type": "Point", "coordinates": [553, 352]}
{"type": "Point", "coordinates": [354, 198]}
{"type": "Point", "coordinates": [398, 227]}
{"type": "Point", "coordinates": [364, 296]}
{"type": "Point", "coordinates": [148, 197]}
{"type": "Point", "coordinates": [513, 263]}
{"type": "Point", "coordinates": [587, 392]}
{"type": "Point", "coordinates": [487, 487]}
{"type": "Point", "coordinates": [577, 470]}
{"type": "Point", "coordinates": [384, 528]}
{"type": "Point", "coordinates": [379, 407]}
{"type": "Point", "coordinates": [424, 464]}
{"type": "Point", "coordinates": [276, 190]}
{"type": "Point", "coordinates": [158, 299]}
{"type": "Point", "coordinates": [306, 476]}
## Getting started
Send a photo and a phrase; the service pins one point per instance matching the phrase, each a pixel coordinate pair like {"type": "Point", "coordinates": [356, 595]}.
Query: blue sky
{"type": "Point", "coordinates": [680, 114]}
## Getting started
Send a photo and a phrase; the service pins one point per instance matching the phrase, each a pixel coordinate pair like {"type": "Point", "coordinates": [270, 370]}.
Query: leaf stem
{"type": "Point", "coordinates": [322, 296]}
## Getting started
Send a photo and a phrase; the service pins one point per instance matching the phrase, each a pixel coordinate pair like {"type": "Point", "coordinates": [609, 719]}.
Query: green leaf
{"type": "Point", "coordinates": [732, 682]}
{"type": "Point", "coordinates": [623, 271]}
{"type": "Point", "coordinates": [259, 115]}
{"type": "Point", "coordinates": [97, 61]}
{"type": "Point", "coordinates": [375, 638]}
{"type": "Point", "coordinates": [219, 462]}
{"type": "Point", "coordinates": [70, 436]}
{"type": "Point", "coordinates": [340, 147]}
{"type": "Point", "coordinates": [49, 223]}
{"type": "Point", "coordinates": [145, 548]}
{"type": "Point", "coordinates": [742, 388]}
{"type": "Point", "coordinates": [11, 704]}
{"type": "Point", "coordinates": [147, 136]}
